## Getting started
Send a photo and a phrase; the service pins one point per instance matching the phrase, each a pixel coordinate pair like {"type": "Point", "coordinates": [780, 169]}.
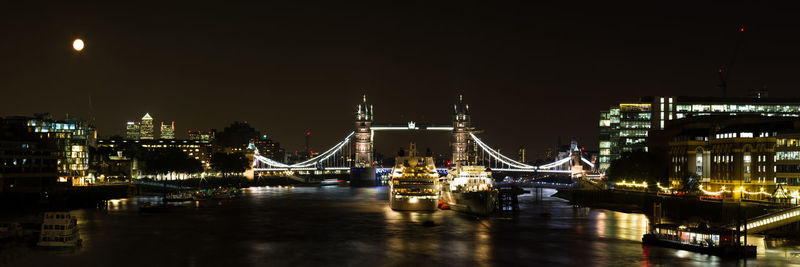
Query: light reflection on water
{"type": "Point", "coordinates": [279, 226]}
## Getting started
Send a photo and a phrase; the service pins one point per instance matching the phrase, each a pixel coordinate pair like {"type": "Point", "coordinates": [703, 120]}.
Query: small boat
{"type": "Point", "coordinates": [179, 197]}
{"type": "Point", "coordinates": [225, 193]}
{"type": "Point", "coordinates": [217, 193]}
{"type": "Point", "coordinates": [59, 230]}
{"type": "Point", "coordinates": [715, 241]}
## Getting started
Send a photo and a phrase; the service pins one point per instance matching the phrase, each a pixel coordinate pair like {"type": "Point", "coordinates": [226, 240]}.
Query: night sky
{"type": "Point", "coordinates": [531, 73]}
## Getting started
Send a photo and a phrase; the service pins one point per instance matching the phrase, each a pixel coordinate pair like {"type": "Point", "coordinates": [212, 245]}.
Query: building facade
{"type": "Point", "coordinates": [132, 131]}
{"type": "Point", "coordinates": [28, 163]}
{"type": "Point", "coordinates": [146, 128]}
{"type": "Point", "coordinates": [269, 149]}
{"type": "Point", "coordinates": [205, 137]}
{"type": "Point", "coordinates": [167, 130]}
{"type": "Point", "coordinates": [749, 161]}
{"type": "Point", "coordinates": [630, 126]}
{"type": "Point", "coordinates": [72, 138]}
{"type": "Point", "coordinates": [193, 148]}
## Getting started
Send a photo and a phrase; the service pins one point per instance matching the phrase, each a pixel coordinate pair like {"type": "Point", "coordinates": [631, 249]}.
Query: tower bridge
{"type": "Point", "coordinates": [354, 153]}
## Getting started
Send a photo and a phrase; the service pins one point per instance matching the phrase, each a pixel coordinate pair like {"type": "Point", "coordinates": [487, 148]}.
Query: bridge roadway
{"type": "Point", "coordinates": [773, 220]}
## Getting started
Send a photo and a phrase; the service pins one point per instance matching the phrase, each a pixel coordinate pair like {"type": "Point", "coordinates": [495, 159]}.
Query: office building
{"type": "Point", "coordinates": [748, 157]}
{"type": "Point", "coordinates": [72, 138]}
{"type": "Point", "coordinates": [630, 126]}
{"type": "Point", "coordinates": [168, 130]}
{"type": "Point", "coordinates": [146, 128]}
{"type": "Point", "coordinates": [132, 131]}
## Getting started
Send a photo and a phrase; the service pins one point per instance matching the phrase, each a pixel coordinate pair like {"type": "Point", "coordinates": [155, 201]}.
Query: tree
{"type": "Point", "coordinates": [637, 166]}
{"type": "Point", "coordinates": [170, 160]}
{"type": "Point", "coordinates": [229, 163]}
{"type": "Point", "coordinates": [691, 182]}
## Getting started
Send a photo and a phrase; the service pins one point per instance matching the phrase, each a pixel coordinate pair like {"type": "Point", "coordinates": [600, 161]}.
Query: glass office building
{"type": "Point", "coordinates": [628, 126]}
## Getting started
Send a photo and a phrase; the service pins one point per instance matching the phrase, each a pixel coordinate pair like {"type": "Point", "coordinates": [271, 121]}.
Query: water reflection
{"type": "Point", "coordinates": [280, 226]}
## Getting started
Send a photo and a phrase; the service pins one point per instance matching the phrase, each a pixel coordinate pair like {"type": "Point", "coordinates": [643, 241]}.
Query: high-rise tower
{"type": "Point", "coordinates": [146, 128]}
{"type": "Point", "coordinates": [460, 142]}
{"type": "Point", "coordinates": [168, 130]}
{"type": "Point", "coordinates": [363, 137]}
{"type": "Point", "coordinates": [132, 131]}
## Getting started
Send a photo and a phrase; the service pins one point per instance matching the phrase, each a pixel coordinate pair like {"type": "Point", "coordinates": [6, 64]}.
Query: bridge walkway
{"type": "Point", "coordinates": [773, 220]}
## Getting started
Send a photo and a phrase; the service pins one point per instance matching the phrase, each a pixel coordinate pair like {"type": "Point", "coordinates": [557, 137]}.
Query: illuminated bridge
{"type": "Point", "coordinates": [354, 152]}
{"type": "Point", "coordinates": [773, 220]}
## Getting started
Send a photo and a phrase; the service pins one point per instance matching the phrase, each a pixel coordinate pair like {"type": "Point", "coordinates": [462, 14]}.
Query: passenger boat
{"type": "Point", "coordinates": [716, 241]}
{"type": "Point", "coordinates": [469, 189]}
{"type": "Point", "coordinates": [59, 230]}
{"type": "Point", "coordinates": [414, 183]}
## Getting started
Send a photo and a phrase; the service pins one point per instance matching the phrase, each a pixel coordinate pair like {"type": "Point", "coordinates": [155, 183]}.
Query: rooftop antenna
{"type": "Point", "coordinates": [724, 71]}
{"type": "Point", "coordinates": [91, 110]}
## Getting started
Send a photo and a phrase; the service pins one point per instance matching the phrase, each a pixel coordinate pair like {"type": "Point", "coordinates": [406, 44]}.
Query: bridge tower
{"type": "Point", "coordinates": [460, 142]}
{"type": "Point", "coordinates": [363, 137]}
{"type": "Point", "coordinates": [363, 173]}
{"type": "Point", "coordinates": [576, 154]}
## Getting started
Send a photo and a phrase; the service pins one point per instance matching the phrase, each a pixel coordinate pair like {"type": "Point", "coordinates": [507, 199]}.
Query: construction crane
{"type": "Point", "coordinates": [724, 71]}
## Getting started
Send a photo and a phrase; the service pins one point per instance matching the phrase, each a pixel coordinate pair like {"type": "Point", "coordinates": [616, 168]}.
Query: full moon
{"type": "Point", "coordinates": [77, 45]}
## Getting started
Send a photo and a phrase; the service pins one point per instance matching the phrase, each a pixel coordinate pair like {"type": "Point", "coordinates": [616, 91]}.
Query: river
{"type": "Point", "coordinates": [340, 226]}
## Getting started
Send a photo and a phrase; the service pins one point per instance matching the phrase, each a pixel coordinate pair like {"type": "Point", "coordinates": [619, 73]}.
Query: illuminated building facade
{"type": "Point", "coordinates": [193, 148]}
{"type": "Point", "coordinates": [146, 128]}
{"type": "Point", "coordinates": [629, 126]}
{"type": "Point", "coordinates": [204, 137]}
{"type": "Point", "coordinates": [132, 130]}
{"type": "Point", "coordinates": [28, 163]}
{"type": "Point", "coordinates": [787, 162]}
{"type": "Point", "coordinates": [748, 160]}
{"type": "Point", "coordinates": [167, 130]}
{"type": "Point", "coordinates": [269, 149]}
{"type": "Point", "coordinates": [624, 128]}
{"type": "Point", "coordinates": [72, 138]}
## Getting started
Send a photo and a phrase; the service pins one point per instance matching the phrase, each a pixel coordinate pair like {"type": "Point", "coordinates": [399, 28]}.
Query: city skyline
{"type": "Point", "coordinates": [281, 68]}
{"type": "Point", "coordinates": [430, 133]}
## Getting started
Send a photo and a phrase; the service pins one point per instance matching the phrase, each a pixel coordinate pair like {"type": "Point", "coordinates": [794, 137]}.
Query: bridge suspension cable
{"type": "Point", "coordinates": [309, 162]}
{"type": "Point", "coordinates": [519, 165]}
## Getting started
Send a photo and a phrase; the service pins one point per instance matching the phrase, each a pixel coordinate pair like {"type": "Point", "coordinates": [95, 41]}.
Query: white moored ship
{"type": "Point", "coordinates": [470, 189]}
{"type": "Point", "coordinates": [59, 230]}
{"type": "Point", "coordinates": [414, 183]}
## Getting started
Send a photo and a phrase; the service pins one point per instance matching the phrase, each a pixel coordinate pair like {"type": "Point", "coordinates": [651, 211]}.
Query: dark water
{"type": "Point", "coordinates": [333, 226]}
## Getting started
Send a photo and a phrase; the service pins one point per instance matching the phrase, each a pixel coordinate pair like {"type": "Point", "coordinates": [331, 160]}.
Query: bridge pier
{"type": "Point", "coordinates": [363, 177]}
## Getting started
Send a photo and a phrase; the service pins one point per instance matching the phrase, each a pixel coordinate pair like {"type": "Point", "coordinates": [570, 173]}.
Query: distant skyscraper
{"type": "Point", "coordinates": [205, 137]}
{"type": "Point", "coordinates": [132, 131]}
{"type": "Point", "coordinates": [168, 130]}
{"type": "Point", "coordinates": [146, 128]}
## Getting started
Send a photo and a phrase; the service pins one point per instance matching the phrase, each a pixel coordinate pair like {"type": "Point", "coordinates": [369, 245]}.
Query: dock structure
{"type": "Point", "coordinates": [508, 200]}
